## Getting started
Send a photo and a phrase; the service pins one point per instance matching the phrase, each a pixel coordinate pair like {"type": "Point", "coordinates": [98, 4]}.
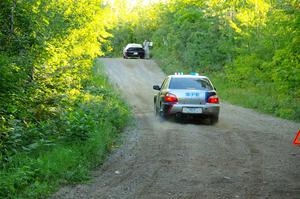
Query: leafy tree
{"type": "Point", "coordinates": [47, 49]}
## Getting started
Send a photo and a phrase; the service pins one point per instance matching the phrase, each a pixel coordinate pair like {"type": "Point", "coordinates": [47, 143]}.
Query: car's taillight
{"type": "Point", "coordinates": [213, 100]}
{"type": "Point", "coordinates": [171, 98]}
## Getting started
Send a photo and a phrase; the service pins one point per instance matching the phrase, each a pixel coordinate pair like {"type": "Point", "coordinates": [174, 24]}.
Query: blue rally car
{"type": "Point", "coordinates": [187, 96]}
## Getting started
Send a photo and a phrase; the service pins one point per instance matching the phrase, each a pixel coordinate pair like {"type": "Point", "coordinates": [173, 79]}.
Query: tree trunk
{"type": "Point", "coordinates": [13, 7]}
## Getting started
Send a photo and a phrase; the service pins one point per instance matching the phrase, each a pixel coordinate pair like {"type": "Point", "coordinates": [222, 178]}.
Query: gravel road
{"type": "Point", "coordinates": [246, 155]}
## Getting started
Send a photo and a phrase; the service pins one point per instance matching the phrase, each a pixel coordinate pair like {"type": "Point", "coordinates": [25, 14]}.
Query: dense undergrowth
{"type": "Point", "coordinates": [250, 48]}
{"type": "Point", "coordinates": [77, 140]}
{"type": "Point", "coordinates": [58, 115]}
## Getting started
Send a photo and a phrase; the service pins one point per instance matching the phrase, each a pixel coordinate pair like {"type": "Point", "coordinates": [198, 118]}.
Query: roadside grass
{"type": "Point", "coordinates": [260, 97]}
{"type": "Point", "coordinates": [89, 127]}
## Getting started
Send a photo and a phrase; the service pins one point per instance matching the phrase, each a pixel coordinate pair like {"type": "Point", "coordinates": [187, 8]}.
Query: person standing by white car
{"type": "Point", "coordinates": [147, 44]}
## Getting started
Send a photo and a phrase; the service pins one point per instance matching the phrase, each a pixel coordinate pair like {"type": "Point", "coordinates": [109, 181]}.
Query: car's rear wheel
{"type": "Point", "coordinates": [155, 111]}
{"type": "Point", "coordinates": [214, 119]}
{"type": "Point", "coordinates": [159, 115]}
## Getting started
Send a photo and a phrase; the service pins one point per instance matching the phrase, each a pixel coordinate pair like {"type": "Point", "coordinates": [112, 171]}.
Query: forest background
{"type": "Point", "coordinates": [58, 111]}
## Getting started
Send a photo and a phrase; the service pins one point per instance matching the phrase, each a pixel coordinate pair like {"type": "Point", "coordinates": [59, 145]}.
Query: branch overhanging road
{"type": "Point", "coordinates": [246, 155]}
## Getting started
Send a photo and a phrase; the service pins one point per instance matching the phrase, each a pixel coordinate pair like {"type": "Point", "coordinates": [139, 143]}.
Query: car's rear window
{"type": "Point", "coordinates": [135, 49]}
{"type": "Point", "coordinates": [190, 84]}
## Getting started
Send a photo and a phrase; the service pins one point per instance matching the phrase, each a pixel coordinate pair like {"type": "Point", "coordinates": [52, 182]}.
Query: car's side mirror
{"type": "Point", "coordinates": [156, 87]}
{"type": "Point", "coordinates": [215, 88]}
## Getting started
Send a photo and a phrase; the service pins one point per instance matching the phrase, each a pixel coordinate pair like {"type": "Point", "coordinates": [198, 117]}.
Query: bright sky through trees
{"type": "Point", "coordinates": [133, 3]}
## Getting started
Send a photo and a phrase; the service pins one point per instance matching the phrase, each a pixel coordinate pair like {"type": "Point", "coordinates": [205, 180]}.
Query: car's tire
{"type": "Point", "coordinates": [155, 110]}
{"type": "Point", "coordinates": [214, 119]}
{"type": "Point", "coordinates": [159, 115]}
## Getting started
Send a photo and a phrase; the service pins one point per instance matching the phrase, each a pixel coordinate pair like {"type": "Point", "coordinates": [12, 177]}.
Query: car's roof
{"type": "Point", "coordinates": [134, 45]}
{"type": "Point", "coordinates": [188, 76]}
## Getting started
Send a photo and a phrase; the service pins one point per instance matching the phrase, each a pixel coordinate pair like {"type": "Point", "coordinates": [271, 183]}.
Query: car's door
{"type": "Point", "coordinates": [162, 92]}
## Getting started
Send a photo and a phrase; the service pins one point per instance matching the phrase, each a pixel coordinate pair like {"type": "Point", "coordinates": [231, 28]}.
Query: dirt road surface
{"type": "Point", "coordinates": [245, 155]}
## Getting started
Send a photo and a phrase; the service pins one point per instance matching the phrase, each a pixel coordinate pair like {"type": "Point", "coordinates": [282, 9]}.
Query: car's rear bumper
{"type": "Point", "coordinates": [131, 54]}
{"type": "Point", "coordinates": [207, 109]}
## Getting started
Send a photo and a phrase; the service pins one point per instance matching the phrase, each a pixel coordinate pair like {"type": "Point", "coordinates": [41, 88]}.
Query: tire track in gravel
{"type": "Point", "coordinates": [255, 162]}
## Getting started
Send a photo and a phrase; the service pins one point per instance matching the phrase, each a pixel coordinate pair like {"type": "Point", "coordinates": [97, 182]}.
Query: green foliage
{"type": "Point", "coordinates": [47, 49]}
{"type": "Point", "coordinates": [81, 137]}
{"type": "Point", "coordinates": [262, 97]}
{"type": "Point", "coordinates": [58, 117]}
